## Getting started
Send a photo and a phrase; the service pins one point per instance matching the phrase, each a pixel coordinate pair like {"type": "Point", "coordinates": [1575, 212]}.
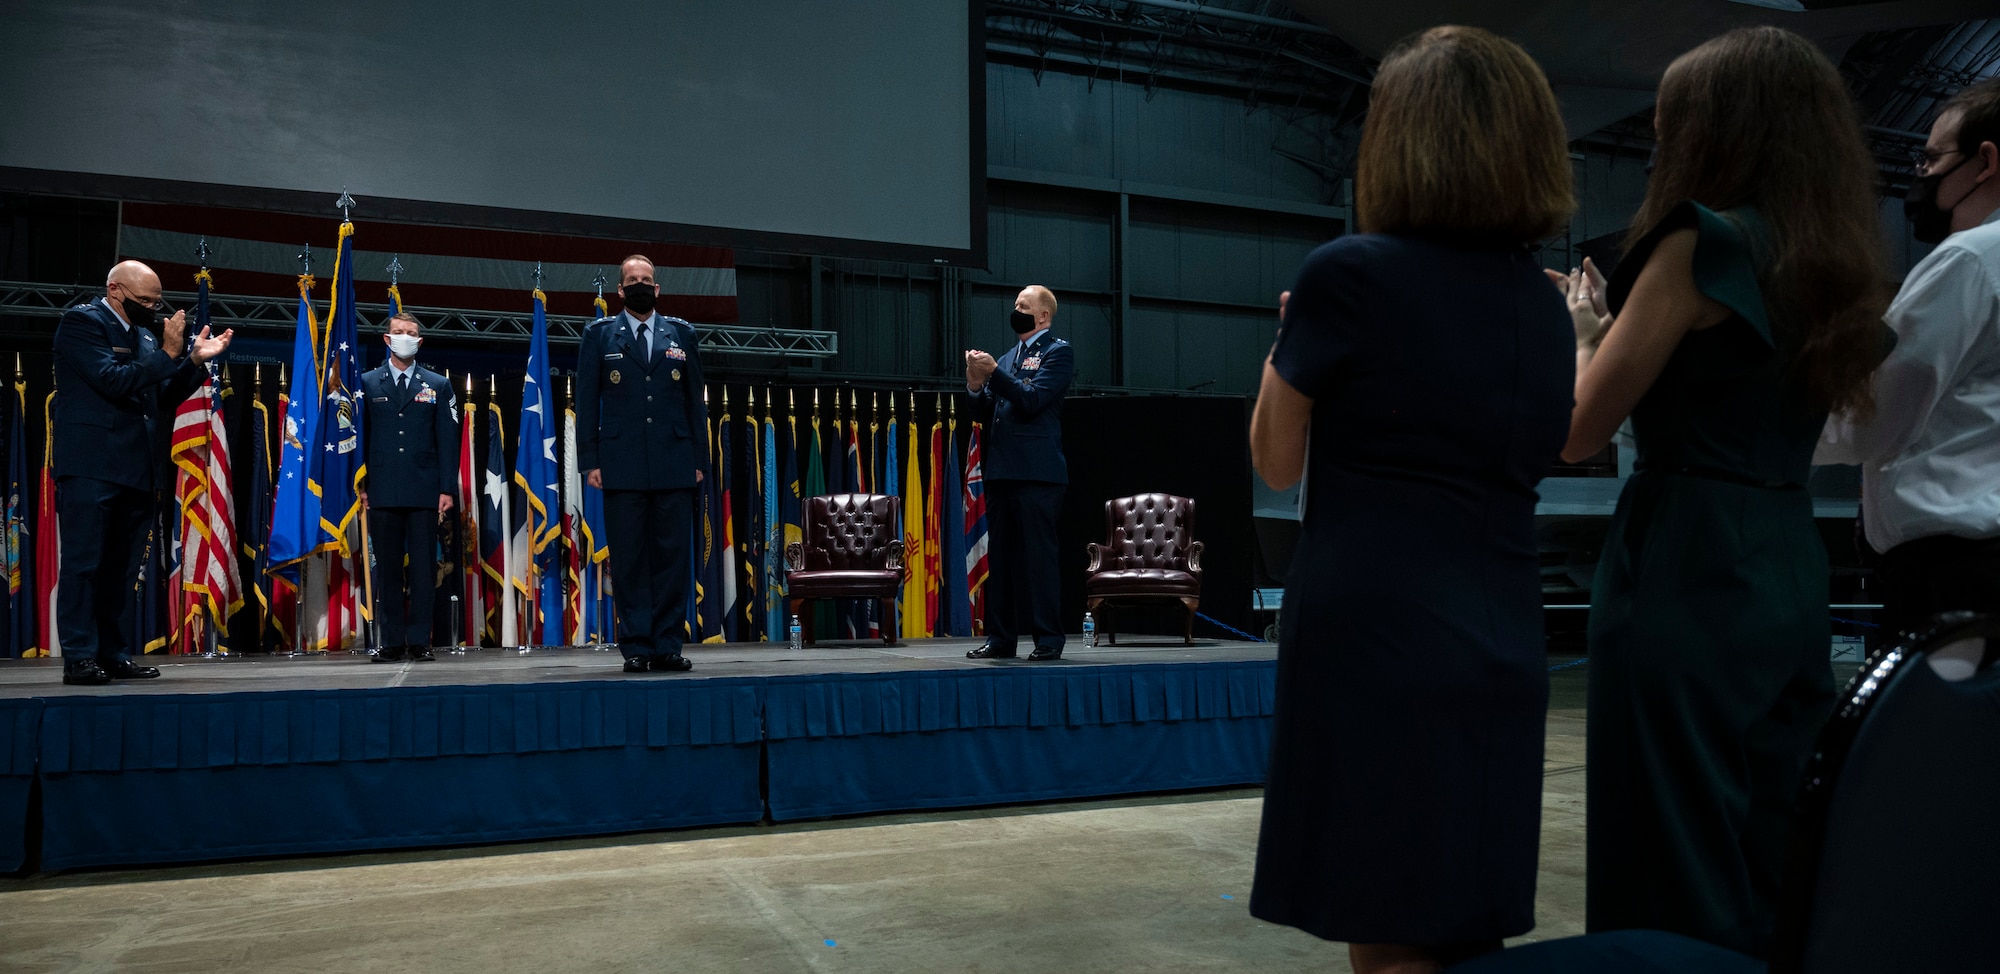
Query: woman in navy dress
{"type": "Point", "coordinates": [1432, 365]}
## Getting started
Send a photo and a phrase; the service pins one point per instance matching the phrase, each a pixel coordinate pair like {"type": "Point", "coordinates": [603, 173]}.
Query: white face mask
{"type": "Point", "coordinates": [404, 346]}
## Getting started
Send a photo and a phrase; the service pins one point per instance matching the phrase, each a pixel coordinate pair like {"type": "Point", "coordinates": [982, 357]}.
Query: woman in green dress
{"type": "Point", "coordinates": [1748, 303]}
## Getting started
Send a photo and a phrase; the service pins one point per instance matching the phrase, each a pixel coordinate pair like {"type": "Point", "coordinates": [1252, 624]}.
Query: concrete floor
{"type": "Point", "coordinates": [1156, 883]}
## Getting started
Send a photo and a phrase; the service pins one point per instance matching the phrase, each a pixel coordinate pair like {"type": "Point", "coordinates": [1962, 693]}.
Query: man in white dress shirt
{"type": "Point", "coordinates": [1930, 455]}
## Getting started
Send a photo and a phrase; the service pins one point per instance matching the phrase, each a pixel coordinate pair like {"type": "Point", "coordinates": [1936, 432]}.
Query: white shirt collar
{"type": "Point", "coordinates": [115, 313]}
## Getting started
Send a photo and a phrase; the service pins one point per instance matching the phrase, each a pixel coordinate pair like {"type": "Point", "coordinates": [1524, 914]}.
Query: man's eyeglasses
{"type": "Point", "coordinates": [1927, 157]}
{"type": "Point", "coordinates": [157, 304]}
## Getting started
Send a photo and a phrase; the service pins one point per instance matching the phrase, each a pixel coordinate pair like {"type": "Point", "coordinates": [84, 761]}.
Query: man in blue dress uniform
{"type": "Point", "coordinates": [642, 438]}
{"type": "Point", "coordinates": [113, 378]}
{"type": "Point", "coordinates": [412, 473]}
{"type": "Point", "coordinates": [1019, 398]}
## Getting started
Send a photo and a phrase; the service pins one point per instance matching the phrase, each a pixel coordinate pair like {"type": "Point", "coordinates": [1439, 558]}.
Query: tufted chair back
{"type": "Point", "coordinates": [1149, 553]}
{"type": "Point", "coordinates": [1148, 531]}
{"type": "Point", "coordinates": [845, 532]}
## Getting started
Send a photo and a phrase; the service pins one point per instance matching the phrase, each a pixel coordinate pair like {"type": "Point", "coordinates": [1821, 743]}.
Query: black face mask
{"type": "Point", "coordinates": [1930, 221]}
{"type": "Point", "coordinates": [141, 316]}
{"type": "Point", "coordinates": [1022, 322]}
{"type": "Point", "coordinates": [641, 297]}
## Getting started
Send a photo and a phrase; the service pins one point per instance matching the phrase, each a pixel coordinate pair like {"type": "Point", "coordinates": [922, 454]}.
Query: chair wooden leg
{"type": "Point", "coordinates": [885, 610]}
{"type": "Point", "coordinates": [1187, 633]}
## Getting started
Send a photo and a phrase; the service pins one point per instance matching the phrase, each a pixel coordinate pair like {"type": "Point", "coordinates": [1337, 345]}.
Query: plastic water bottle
{"type": "Point", "coordinates": [798, 635]}
{"type": "Point", "coordinates": [1089, 630]}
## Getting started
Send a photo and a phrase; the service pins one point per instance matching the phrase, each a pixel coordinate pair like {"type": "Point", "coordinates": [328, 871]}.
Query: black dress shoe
{"type": "Point", "coordinates": [635, 664]}
{"type": "Point", "coordinates": [986, 651]}
{"type": "Point", "coordinates": [125, 669]}
{"type": "Point", "coordinates": [1043, 654]}
{"type": "Point", "coordinates": [387, 654]}
{"type": "Point", "coordinates": [672, 664]}
{"type": "Point", "coordinates": [85, 673]}
{"type": "Point", "coordinates": [421, 654]}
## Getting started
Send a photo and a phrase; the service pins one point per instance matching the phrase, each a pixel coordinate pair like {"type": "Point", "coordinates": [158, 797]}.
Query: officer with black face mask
{"type": "Point", "coordinates": [642, 438]}
{"type": "Point", "coordinates": [1930, 455]}
{"type": "Point", "coordinates": [114, 379]}
{"type": "Point", "coordinates": [1019, 398]}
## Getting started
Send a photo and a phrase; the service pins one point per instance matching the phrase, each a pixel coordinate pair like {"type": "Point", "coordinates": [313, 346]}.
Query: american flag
{"type": "Point", "coordinates": [975, 531]}
{"type": "Point", "coordinates": [211, 588]}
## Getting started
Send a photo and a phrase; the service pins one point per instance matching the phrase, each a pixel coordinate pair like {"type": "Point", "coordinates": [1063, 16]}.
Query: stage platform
{"type": "Point", "coordinates": [265, 756]}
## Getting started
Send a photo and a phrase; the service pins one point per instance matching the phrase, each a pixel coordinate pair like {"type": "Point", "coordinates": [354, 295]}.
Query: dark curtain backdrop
{"type": "Point", "coordinates": [1194, 447]}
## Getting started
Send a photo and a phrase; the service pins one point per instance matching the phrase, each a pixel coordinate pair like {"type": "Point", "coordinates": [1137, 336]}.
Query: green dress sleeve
{"type": "Point", "coordinates": [1725, 261]}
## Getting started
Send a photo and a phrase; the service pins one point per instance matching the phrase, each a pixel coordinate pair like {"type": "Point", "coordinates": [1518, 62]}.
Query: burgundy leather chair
{"type": "Point", "coordinates": [853, 549]}
{"type": "Point", "coordinates": [1149, 555]}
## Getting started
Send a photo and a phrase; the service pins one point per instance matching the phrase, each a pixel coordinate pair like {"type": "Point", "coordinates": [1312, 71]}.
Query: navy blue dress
{"type": "Point", "coordinates": [1403, 803]}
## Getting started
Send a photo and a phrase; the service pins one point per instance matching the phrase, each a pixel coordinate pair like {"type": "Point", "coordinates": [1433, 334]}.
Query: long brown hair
{"type": "Point", "coordinates": [1463, 135]}
{"type": "Point", "coordinates": [1759, 117]}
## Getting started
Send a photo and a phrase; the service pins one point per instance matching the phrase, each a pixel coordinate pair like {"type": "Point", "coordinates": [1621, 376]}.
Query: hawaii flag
{"type": "Point", "coordinates": [975, 533]}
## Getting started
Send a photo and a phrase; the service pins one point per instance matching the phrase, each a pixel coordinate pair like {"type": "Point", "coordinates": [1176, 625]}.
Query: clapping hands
{"type": "Point", "coordinates": [979, 366]}
{"type": "Point", "coordinates": [1584, 292]}
{"type": "Point", "coordinates": [173, 336]}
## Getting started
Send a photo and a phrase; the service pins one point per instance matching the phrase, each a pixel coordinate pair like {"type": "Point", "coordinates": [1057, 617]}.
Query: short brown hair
{"type": "Point", "coordinates": [403, 316]}
{"type": "Point", "coordinates": [1463, 134]}
{"type": "Point", "coordinates": [1978, 109]}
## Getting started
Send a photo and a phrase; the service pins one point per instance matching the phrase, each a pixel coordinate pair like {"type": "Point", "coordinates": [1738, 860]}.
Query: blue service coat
{"type": "Point", "coordinates": [641, 422]}
{"type": "Point", "coordinates": [412, 438]}
{"type": "Point", "coordinates": [1021, 405]}
{"type": "Point", "coordinates": [111, 383]}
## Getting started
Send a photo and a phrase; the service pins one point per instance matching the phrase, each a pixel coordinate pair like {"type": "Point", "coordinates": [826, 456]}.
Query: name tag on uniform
{"type": "Point", "coordinates": [379, 399]}
{"type": "Point", "coordinates": [427, 394]}
{"type": "Point", "coordinates": [116, 348]}
{"type": "Point", "coordinates": [612, 355]}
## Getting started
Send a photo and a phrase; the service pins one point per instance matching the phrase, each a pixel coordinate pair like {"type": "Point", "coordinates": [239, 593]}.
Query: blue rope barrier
{"type": "Point", "coordinates": [1232, 630]}
{"type": "Point", "coordinates": [1569, 665]}
{"type": "Point", "coordinates": [1857, 622]}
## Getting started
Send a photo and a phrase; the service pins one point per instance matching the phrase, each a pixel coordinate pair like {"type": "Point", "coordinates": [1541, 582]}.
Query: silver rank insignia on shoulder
{"type": "Point", "coordinates": [615, 377]}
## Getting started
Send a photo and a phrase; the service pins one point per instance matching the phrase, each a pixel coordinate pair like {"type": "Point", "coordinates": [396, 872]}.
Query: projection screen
{"type": "Point", "coordinates": [840, 128]}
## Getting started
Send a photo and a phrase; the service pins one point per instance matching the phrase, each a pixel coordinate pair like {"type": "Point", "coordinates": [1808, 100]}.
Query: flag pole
{"type": "Point", "coordinates": [257, 611]}
{"type": "Point", "coordinates": [470, 577]}
{"type": "Point", "coordinates": [373, 638]}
